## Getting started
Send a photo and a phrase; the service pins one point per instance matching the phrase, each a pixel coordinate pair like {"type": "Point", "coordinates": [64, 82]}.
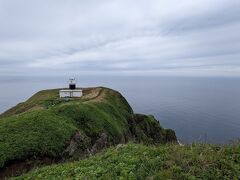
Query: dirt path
{"type": "Point", "coordinates": [94, 95]}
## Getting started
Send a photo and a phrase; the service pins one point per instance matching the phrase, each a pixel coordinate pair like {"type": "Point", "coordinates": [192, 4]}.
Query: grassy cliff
{"type": "Point", "coordinates": [47, 127]}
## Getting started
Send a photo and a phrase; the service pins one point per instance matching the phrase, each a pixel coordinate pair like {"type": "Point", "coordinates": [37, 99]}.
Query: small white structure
{"type": "Point", "coordinates": [69, 93]}
{"type": "Point", "coordinates": [72, 91]}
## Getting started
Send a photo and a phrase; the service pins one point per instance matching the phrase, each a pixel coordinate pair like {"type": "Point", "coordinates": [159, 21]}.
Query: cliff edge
{"type": "Point", "coordinates": [47, 129]}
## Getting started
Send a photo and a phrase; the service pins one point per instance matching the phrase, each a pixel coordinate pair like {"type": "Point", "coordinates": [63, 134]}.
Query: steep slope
{"type": "Point", "coordinates": [46, 129]}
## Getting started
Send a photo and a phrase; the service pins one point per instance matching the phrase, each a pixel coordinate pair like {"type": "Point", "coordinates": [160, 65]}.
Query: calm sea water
{"type": "Point", "coordinates": [198, 109]}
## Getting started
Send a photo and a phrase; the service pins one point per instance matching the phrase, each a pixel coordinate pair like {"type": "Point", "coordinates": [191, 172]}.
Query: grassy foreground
{"type": "Point", "coordinates": [134, 161]}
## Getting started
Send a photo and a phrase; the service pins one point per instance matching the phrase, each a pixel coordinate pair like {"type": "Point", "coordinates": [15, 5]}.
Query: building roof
{"type": "Point", "coordinates": [70, 90]}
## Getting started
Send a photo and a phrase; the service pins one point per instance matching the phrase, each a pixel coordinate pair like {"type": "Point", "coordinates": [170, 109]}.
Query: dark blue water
{"type": "Point", "coordinates": [205, 109]}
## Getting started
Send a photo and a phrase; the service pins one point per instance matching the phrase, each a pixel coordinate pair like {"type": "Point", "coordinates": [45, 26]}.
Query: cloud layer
{"type": "Point", "coordinates": [199, 37]}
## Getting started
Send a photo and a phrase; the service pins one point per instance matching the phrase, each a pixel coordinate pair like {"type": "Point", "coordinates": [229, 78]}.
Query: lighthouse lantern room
{"type": "Point", "coordinates": [72, 92]}
{"type": "Point", "coordinates": [72, 83]}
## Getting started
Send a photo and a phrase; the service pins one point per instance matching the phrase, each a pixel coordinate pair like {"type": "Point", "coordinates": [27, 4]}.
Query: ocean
{"type": "Point", "coordinates": [199, 109]}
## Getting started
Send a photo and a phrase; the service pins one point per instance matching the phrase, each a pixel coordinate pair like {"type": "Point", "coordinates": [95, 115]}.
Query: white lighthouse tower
{"type": "Point", "coordinates": [72, 91]}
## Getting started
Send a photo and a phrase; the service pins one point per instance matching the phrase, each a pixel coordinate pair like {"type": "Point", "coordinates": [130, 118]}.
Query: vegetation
{"type": "Point", "coordinates": [65, 129]}
{"type": "Point", "coordinates": [45, 125]}
{"type": "Point", "coordinates": [134, 161]}
{"type": "Point", "coordinates": [33, 134]}
{"type": "Point", "coordinates": [37, 101]}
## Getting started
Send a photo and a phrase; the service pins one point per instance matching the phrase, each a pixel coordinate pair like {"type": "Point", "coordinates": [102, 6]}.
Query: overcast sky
{"type": "Point", "coordinates": [53, 37]}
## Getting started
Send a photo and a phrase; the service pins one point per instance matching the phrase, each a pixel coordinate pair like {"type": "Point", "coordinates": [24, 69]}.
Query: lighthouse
{"type": "Point", "coordinates": [72, 91]}
{"type": "Point", "coordinates": [72, 83]}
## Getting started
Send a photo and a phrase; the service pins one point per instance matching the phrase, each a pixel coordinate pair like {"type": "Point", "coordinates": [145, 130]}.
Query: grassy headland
{"type": "Point", "coordinates": [46, 126]}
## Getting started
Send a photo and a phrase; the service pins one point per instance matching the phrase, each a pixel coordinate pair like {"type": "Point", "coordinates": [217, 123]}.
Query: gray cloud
{"type": "Point", "coordinates": [143, 37]}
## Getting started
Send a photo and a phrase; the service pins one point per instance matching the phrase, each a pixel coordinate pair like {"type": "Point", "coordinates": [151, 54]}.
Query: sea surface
{"type": "Point", "coordinates": [199, 109]}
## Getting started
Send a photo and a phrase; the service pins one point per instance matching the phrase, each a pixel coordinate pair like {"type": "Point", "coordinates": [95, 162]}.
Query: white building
{"type": "Point", "coordinates": [69, 93]}
{"type": "Point", "coordinates": [72, 91]}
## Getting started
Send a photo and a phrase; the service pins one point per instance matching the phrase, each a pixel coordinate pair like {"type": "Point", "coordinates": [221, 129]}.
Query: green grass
{"type": "Point", "coordinates": [109, 115]}
{"type": "Point", "coordinates": [134, 161]}
{"type": "Point", "coordinates": [38, 101]}
{"type": "Point", "coordinates": [36, 133]}
{"type": "Point", "coordinates": [47, 131]}
{"type": "Point", "coordinates": [44, 125]}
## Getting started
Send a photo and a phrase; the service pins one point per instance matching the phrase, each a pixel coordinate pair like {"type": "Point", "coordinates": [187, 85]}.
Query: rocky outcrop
{"type": "Point", "coordinates": [142, 129]}
{"type": "Point", "coordinates": [80, 145]}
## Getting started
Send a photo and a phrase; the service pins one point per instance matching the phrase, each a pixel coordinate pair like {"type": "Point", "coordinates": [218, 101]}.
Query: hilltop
{"type": "Point", "coordinates": [46, 129]}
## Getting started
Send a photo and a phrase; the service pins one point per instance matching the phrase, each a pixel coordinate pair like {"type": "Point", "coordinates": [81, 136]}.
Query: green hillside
{"type": "Point", "coordinates": [59, 130]}
{"type": "Point", "coordinates": [134, 161]}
